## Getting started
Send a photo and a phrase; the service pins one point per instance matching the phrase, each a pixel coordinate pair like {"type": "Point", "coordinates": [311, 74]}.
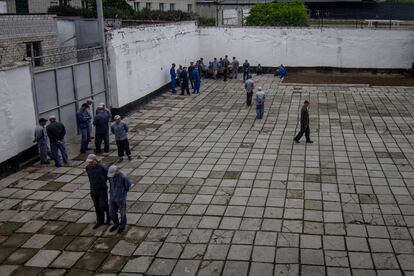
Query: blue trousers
{"type": "Point", "coordinates": [86, 136]}
{"type": "Point", "coordinates": [114, 208]}
{"type": "Point", "coordinates": [173, 84]}
{"type": "Point", "coordinates": [43, 151]}
{"type": "Point", "coordinates": [259, 111]}
{"type": "Point", "coordinates": [54, 150]}
{"type": "Point", "coordinates": [245, 75]}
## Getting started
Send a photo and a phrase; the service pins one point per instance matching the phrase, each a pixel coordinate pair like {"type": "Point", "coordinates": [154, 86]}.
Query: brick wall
{"type": "Point", "coordinates": [20, 29]}
{"type": "Point", "coordinates": [39, 6]}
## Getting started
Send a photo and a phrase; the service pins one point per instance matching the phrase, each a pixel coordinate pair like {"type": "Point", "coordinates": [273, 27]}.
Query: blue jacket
{"type": "Point", "coordinates": [97, 178]}
{"type": "Point", "coordinates": [196, 75]}
{"type": "Point", "coordinates": [172, 73]}
{"type": "Point", "coordinates": [119, 186]}
{"type": "Point", "coordinates": [83, 119]}
{"type": "Point", "coordinates": [120, 130]}
{"type": "Point", "coordinates": [246, 67]}
{"type": "Point", "coordinates": [184, 77]}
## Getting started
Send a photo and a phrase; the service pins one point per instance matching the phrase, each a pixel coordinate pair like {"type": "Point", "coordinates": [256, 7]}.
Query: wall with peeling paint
{"type": "Point", "coordinates": [306, 47]}
{"type": "Point", "coordinates": [140, 58]}
{"type": "Point", "coordinates": [16, 96]}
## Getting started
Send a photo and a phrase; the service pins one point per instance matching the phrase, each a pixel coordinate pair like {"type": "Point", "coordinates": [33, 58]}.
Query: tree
{"type": "Point", "coordinates": [278, 14]}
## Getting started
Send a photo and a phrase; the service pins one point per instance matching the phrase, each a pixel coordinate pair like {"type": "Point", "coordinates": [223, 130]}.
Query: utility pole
{"type": "Point", "coordinates": [101, 31]}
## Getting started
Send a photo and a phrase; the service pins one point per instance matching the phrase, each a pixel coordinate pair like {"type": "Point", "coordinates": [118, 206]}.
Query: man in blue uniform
{"type": "Point", "coordinates": [173, 76]}
{"type": "Point", "coordinates": [246, 69]}
{"type": "Point", "coordinates": [83, 118]}
{"type": "Point", "coordinates": [197, 81]}
{"type": "Point", "coordinates": [119, 185]}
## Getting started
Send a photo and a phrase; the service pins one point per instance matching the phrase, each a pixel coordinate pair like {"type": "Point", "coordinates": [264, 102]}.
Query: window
{"type": "Point", "coordinates": [136, 6]}
{"type": "Point", "coordinates": [64, 3]}
{"type": "Point", "coordinates": [172, 6]}
{"type": "Point", "coordinates": [148, 6]}
{"type": "Point", "coordinates": [161, 6]}
{"type": "Point", "coordinates": [190, 8]}
{"type": "Point", "coordinates": [22, 6]}
{"type": "Point", "coordinates": [85, 4]}
{"type": "Point", "coordinates": [34, 51]}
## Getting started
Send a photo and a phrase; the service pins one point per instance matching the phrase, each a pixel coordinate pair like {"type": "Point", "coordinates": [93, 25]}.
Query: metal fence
{"type": "Point", "coordinates": [61, 90]}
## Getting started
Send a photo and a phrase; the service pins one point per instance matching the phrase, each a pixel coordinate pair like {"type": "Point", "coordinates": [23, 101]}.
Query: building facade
{"type": "Point", "coordinates": [37, 6]}
{"type": "Point", "coordinates": [26, 36]}
{"type": "Point", "coordinates": [164, 5]}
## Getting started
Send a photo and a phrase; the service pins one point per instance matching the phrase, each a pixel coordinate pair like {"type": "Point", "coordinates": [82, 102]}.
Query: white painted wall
{"type": "Point", "coordinates": [309, 47]}
{"type": "Point", "coordinates": [140, 58]}
{"type": "Point", "coordinates": [17, 115]}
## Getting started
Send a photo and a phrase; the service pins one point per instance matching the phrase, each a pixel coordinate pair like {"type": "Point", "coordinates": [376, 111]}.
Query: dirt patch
{"type": "Point", "coordinates": [350, 78]}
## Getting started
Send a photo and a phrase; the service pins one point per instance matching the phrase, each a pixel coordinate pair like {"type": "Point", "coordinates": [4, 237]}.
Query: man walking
{"type": "Point", "coordinates": [184, 81]}
{"type": "Point", "coordinates": [173, 76]}
{"type": "Point", "coordinates": [101, 123]}
{"type": "Point", "coordinates": [40, 137]}
{"type": "Point", "coordinates": [119, 185]}
{"type": "Point", "coordinates": [260, 100]}
{"type": "Point", "coordinates": [197, 81]}
{"type": "Point", "coordinates": [83, 118]}
{"type": "Point", "coordinates": [56, 132]}
{"type": "Point", "coordinates": [225, 67]}
{"type": "Point", "coordinates": [249, 86]}
{"type": "Point", "coordinates": [120, 129]}
{"type": "Point", "coordinates": [235, 69]}
{"type": "Point", "coordinates": [97, 175]}
{"type": "Point", "coordinates": [246, 69]}
{"type": "Point", "coordinates": [304, 124]}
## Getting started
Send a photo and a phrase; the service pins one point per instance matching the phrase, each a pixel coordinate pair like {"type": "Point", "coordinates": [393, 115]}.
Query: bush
{"type": "Point", "coordinates": [278, 14]}
{"type": "Point", "coordinates": [206, 21]}
{"type": "Point", "coordinates": [71, 11]}
{"type": "Point", "coordinates": [155, 15]}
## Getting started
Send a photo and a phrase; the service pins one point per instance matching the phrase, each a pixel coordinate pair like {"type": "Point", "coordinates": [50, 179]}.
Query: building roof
{"type": "Point", "coordinates": [252, 2]}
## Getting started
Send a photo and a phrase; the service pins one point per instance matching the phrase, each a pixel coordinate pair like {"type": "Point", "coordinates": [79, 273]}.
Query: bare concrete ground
{"type": "Point", "coordinates": [350, 78]}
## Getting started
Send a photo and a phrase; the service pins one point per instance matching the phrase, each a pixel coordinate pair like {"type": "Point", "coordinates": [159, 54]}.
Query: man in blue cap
{"type": "Point", "coordinates": [119, 185]}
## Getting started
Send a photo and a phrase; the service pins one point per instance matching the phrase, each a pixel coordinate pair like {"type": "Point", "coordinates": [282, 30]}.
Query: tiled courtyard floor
{"type": "Point", "coordinates": [217, 192]}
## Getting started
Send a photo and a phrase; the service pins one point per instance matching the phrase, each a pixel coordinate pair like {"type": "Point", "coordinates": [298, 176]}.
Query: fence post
{"type": "Point", "coordinates": [101, 30]}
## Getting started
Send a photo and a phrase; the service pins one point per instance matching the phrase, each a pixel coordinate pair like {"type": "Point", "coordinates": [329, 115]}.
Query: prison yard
{"type": "Point", "coordinates": [217, 192]}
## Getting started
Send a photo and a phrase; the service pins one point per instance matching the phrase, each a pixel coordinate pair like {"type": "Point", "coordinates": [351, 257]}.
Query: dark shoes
{"type": "Point", "coordinates": [113, 228]}
{"type": "Point", "coordinates": [97, 226]}
{"type": "Point", "coordinates": [45, 163]}
{"type": "Point", "coordinates": [309, 142]}
{"type": "Point", "coordinates": [120, 160]}
{"type": "Point", "coordinates": [296, 141]}
{"type": "Point", "coordinates": [129, 158]}
{"type": "Point", "coordinates": [120, 230]}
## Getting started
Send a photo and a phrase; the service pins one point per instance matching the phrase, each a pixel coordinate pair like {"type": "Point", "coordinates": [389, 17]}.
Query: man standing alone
{"type": "Point", "coordinates": [304, 124]}
{"type": "Point", "coordinates": [120, 129]}
{"type": "Point", "coordinates": [260, 100]}
{"type": "Point", "coordinates": [56, 132]}
{"type": "Point", "coordinates": [249, 86]}
{"type": "Point", "coordinates": [119, 186]}
{"type": "Point", "coordinates": [97, 175]}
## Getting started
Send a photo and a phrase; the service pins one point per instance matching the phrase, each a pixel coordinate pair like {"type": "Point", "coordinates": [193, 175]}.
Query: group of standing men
{"type": "Point", "coordinates": [50, 137]}
{"type": "Point", "coordinates": [184, 77]}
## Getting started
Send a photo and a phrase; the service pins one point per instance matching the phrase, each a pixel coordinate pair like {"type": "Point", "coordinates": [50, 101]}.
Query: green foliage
{"type": "Point", "coordinates": [278, 14]}
{"type": "Point", "coordinates": [120, 9]}
{"type": "Point", "coordinates": [155, 15]}
{"type": "Point", "coordinates": [206, 21]}
{"type": "Point", "coordinates": [71, 11]}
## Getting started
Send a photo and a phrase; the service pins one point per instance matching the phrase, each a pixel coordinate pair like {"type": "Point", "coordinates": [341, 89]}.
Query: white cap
{"type": "Point", "coordinates": [117, 117]}
{"type": "Point", "coordinates": [111, 171]}
{"type": "Point", "coordinates": [51, 117]}
{"type": "Point", "coordinates": [91, 157]}
{"type": "Point", "coordinates": [260, 89]}
{"type": "Point", "coordinates": [101, 105]}
{"type": "Point", "coordinates": [89, 100]}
